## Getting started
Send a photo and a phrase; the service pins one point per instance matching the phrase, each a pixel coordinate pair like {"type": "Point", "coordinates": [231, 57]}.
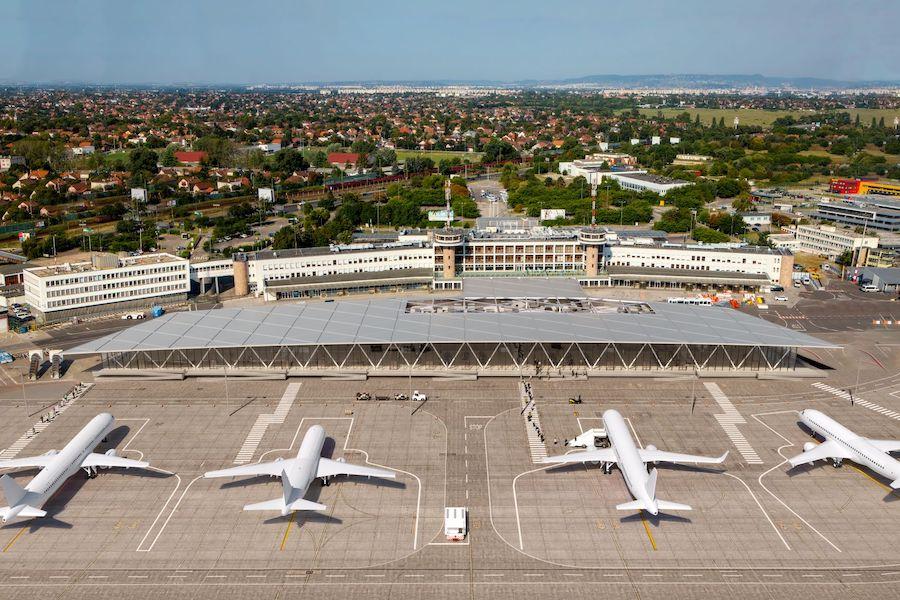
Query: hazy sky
{"type": "Point", "coordinates": [252, 41]}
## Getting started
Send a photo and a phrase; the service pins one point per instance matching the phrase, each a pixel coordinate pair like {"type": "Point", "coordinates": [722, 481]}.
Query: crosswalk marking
{"type": "Point", "coordinates": [251, 443]}
{"type": "Point", "coordinates": [59, 408]}
{"type": "Point", "coordinates": [860, 401]}
{"type": "Point", "coordinates": [536, 447]}
{"type": "Point", "coordinates": [729, 421]}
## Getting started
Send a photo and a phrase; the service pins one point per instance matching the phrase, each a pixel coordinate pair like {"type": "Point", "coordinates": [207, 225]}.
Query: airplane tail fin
{"type": "Point", "coordinates": [306, 505]}
{"type": "Point", "coordinates": [276, 504]}
{"type": "Point", "coordinates": [661, 505]}
{"type": "Point", "coordinates": [651, 483]}
{"type": "Point", "coordinates": [666, 505]}
{"type": "Point", "coordinates": [8, 513]}
{"type": "Point", "coordinates": [12, 491]}
{"type": "Point", "coordinates": [279, 505]}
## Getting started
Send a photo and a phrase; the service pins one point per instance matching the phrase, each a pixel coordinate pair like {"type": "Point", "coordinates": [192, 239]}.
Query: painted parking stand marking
{"type": "Point", "coordinates": [729, 422]}
{"type": "Point", "coordinates": [262, 424]}
{"type": "Point", "coordinates": [536, 446]}
{"type": "Point", "coordinates": [788, 444]}
{"type": "Point", "coordinates": [57, 409]}
{"type": "Point", "coordinates": [861, 402]}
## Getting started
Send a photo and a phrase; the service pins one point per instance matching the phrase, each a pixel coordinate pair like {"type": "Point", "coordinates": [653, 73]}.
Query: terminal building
{"type": "Point", "coordinates": [563, 335]}
{"type": "Point", "coordinates": [106, 282]}
{"type": "Point", "coordinates": [593, 256]}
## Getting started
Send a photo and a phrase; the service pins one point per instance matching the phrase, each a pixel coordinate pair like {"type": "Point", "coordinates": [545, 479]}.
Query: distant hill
{"type": "Point", "coordinates": [713, 82]}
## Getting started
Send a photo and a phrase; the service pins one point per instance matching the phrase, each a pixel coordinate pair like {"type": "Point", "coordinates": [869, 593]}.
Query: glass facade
{"type": "Point", "coordinates": [491, 357]}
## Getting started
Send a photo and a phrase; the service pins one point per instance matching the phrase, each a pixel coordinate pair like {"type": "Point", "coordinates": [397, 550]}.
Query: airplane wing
{"type": "Point", "coordinates": [32, 461]}
{"type": "Point", "coordinates": [883, 445]}
{"type": "Point", "coordinates": [823, 451]}
{"type": "Point", "coordinates": [105, 460]}
{"type": "Point", "coordinates": [675, 457]}
{"type": "Point", "coordinates": [329, 468]}
{"type": "Point", "coordinates": [267, 468]}
{"type": "Point", "coordinates": [602, 455]}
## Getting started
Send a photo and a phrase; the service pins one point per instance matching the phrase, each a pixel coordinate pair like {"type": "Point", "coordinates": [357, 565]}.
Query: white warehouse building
{"type": "Point", "coordinates": [829, 241]}
{"type": "Point", "coordinates": [640, 182]}
{"type": "Point", "coordinates": [59, 292]}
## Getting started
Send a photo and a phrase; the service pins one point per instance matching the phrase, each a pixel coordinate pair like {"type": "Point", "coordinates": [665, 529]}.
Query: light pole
{"type": "Point", "coordinates": [24, 398]}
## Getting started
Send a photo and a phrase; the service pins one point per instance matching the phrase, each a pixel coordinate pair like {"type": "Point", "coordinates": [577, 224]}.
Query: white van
{"type": "Point", "coordinates": [868, 288]}
{"type": "Point", "coordinates": [456, 523]}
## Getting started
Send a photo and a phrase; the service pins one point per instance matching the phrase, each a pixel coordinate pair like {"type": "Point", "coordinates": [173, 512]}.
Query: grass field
{"type": "Point", "coordinates": [438, 155]}
{"type": "Point", "coordinates": [765, 118]}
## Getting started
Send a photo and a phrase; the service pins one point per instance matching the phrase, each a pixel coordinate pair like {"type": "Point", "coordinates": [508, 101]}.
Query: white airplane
{"type": "Point", "coordinates": [298, 473]}
{"type": "Point", "coordinates": [841, 443]}
{"type": "Point", "coordinates": [57, 466]}
{"type": "Point", "coordinates": [623, 451]}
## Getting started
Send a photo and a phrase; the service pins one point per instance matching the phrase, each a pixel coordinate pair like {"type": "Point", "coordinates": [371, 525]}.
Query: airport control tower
{"type": "Point", "coordinates": [448, 239]}
{"type": "Point", "coordinates": [592, 239]}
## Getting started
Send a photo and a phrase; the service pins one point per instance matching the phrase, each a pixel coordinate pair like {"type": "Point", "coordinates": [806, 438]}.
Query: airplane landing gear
{"type": "Point", "coordinates": [607, 468]}
{"type": "Point", "coordinates": [837, 463]}
{"type": "Point", "coordinates": [325, 481]}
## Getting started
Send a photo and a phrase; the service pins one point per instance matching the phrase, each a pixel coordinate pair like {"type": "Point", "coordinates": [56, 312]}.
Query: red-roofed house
{"type": "Point", "coordinates": [190, 157]}
{"type": "Point", "coordinates": [343, 160]}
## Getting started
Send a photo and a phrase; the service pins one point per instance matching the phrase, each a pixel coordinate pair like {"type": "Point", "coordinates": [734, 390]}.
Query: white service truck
{"type": "Point", "coordinates": [456, 523]}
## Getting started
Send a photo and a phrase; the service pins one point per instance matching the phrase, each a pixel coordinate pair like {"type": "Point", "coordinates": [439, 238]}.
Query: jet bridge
{"type": "Point", "coordinates": [56, 361]}
{"type": "Point", "coordinates": [35, 358]}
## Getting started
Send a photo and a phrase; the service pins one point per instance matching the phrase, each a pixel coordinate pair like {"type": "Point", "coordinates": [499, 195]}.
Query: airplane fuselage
{"type": "Point", "coordinates": [862, 451]}
{"type": "Point", "coordinates": [628, 459]}
{"type": "Point", "coordinates": [66, 462]}
{"type": "Point", "coordinates": [302, 471]}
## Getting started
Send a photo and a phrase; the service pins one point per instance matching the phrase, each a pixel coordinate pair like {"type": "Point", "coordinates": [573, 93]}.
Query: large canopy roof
{"type": "Point", "coordinates": [387, 321]}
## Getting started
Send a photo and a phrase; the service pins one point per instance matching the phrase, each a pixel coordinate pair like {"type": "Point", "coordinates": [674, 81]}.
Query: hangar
{"type": "Point", "coordinates": [465, 336]}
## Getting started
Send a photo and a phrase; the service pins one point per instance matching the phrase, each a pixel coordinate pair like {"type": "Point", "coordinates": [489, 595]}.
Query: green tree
{"type": "Point", "coordinates": [288, 161]}
{"type": "Point", "coordinates": [219, 150]}
{"type": "Point", "coordinates": [728, 188]}
{"type": "Point", "coordinates": [168, 157]}
{"type": "Point", "coordinates": [498, 150]}
{"type": "Point", "coordinates": [142, 163]}
{"type": "Point", "coordinates": [418, 164]}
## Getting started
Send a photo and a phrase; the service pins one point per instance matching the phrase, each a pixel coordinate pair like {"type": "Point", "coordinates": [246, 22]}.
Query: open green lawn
{"type": "Point", "coordinates": [438, 155]}
{"type": "Point", "coordinates": [765, 118]}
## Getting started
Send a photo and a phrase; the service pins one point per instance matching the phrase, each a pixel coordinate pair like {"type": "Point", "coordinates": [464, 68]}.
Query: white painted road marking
{"type": "Point", "coordinates": [729, 422]}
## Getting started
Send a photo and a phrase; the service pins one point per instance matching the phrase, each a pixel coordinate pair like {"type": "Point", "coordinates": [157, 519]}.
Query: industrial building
{"type": "Point", "coordinates": [824, 240]}
{"type": "Point", "coordinates": [640, 182]}
{"type": "Point", "coordinates": [868, 212]}
{"type": "Point", "coordinates": [886, 279]}
{"type": "Point", "coordinates": [862, 186]}
{"type": "Point", "coordinates": [552, 336]}
{"type": "Point", "coordinates": [106, 282]}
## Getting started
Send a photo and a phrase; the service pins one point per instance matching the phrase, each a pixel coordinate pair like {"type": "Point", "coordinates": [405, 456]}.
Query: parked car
{"type": "Point", "coordinates": [134, 315]}
{"type": "Point", "coordinates": [868, 288]}
{"type": "Point", "coordinates": [781, 299]}
{"type": "Point", "coordinates": [5, 357]}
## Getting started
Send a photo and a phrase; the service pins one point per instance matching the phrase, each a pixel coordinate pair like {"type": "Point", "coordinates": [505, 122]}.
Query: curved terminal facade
{"type": "Point", "coordinates": [491, 336]}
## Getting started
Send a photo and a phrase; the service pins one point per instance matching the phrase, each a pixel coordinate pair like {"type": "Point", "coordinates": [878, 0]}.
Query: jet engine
{"type": "Point", "coordinates": [651, 448]}
{"type": "Point", "coordinates": [808, 446]}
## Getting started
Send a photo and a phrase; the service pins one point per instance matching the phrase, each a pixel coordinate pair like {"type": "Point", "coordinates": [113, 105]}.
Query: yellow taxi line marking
{"type": "Point", "coordinates": [288, 530]}
{"type": "Point", "coordinates": [13, 541]}
{"type": "Point", "coordinates": [647, 529]}
{"type": "Point", "coordinates": [887, 487]}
